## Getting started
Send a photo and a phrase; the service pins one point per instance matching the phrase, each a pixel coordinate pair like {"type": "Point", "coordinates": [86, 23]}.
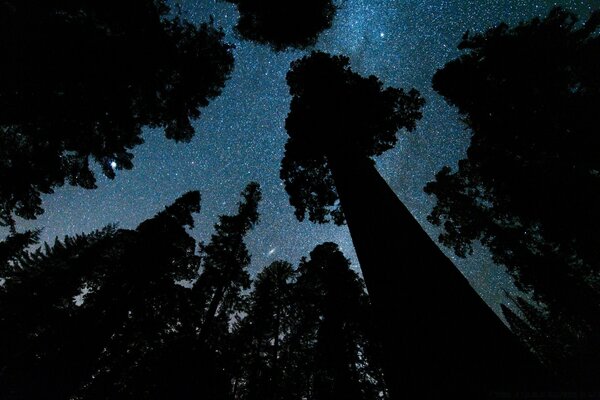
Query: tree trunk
{"type": "Point", "coordinates": [211, 312]}
{"type": "Point", "coordinates": [275, 354]}
{"type": "Point", "coordinates": [439, 336]}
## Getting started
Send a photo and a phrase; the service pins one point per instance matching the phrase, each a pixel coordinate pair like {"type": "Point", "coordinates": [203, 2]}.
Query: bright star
{"type": "Point", "coordinates": [113, 164]}
{"type": "Point", "coordinates": [381, 35]}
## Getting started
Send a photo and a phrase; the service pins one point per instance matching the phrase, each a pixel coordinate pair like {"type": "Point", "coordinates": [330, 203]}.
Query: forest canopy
{"type": "Point", "coordinates": [529, 187]}
{"type": "Point", "coordinates": [284, 24]}
{"type": "Point", "coordinates": [79, 81]}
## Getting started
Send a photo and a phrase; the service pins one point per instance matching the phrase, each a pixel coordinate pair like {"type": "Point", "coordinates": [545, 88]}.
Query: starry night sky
{"type": "Point", "coordinates": [240, 135]}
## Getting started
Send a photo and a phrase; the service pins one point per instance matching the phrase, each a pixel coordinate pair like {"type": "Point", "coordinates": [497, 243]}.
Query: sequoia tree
{"type": "Point", "coordinates": [530, 185]}
{"type": "Point", "coordinates": [79, 81]}
{"type": "Point", "coordinates": [448, 340]}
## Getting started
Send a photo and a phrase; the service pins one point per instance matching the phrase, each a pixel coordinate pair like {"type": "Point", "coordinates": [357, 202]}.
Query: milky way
{"type": "Point", "coordinates": [240, 136]}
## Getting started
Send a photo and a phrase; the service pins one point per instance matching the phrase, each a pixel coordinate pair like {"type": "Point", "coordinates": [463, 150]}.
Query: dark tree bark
{"type": "Point", "coordinates": [440, 337]}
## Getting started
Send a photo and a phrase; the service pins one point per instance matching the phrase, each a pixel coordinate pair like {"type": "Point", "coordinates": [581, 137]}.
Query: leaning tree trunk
{"type": "Point", "coordinates": [439, 336]}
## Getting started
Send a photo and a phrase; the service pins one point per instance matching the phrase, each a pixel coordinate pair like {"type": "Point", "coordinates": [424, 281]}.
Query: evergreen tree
{"type": "Point", "coordinates": [528, 189]}
{"type": "Point", "coordinates": [338, 121]}
{"type": "Point", "coordinates": [225, 262]}
{"type": "Point", "coordinates": [333, 315]}
{"type": "Point", "coordinates": [80, 318]}
{"type": "Point", "coordinates": [79, 81]}
{"type": "Point", "coordinates": [48, 346]}
{"type": "Point", "coordinates": [283, 25]}
{"type": "Point", "coordinates": [15, 246]}
{"type": "Point", "coordinates": [102, 315]}
{"type": "Point", "coordinates": [305, 333]}
{"type": "Point", "coordinates": [144, 304]}
{"type": "Point", "coordinates": [262, 336]}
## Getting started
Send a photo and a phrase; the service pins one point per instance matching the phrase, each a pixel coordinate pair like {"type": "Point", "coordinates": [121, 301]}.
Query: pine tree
{"type": "Point", "coordinates": [48, 347]}
{"type": "Point", "coordinates": [144, 306]}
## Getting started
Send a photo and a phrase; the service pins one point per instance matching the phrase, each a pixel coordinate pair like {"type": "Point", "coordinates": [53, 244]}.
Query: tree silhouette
{"type": "Point", "coordinates": [337, 116]}
{"type": "Point", "coordinates": [304, 335]}
{"type": "Point", "coordinates": [528, 189]}
{"type": "Point", "coordinates": [225, 262]}
{"type": "Point", "coordinates": [109, 315]}
{"type": "Point", "coordinates": [78, 81]}
{"type": "Point", "coordinates": [283, 25]}
{"type": "Point", "coordinates": [15, 246]}
{"type": "Point", "coordinates": [81, 317]}
{"type": "Point", "coordinates": [338, 120]}
{"type": "Point", "coordinates": [146, 300]}
{"type": "Point", "coordinates": [262, 334]}
{"type": "Point", "coordinates": [40, 328]}
{"type": "Point", "coordinates": [334, 311]}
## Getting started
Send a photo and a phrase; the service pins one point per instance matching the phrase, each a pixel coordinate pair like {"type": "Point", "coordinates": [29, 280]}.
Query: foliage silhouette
{"type": "Point", "coordinates": [282, 25]}
{"type": "Point", "coordinates": [129, 306]}
{"type": "Point", "coordinates": [338, 120]}
{"type": "Point", "coordinates": [333, 305]}
{"type": "Point", "coordinates": [336, 113]}
{"type": "Point", "coordinates": [78, 82]}
{"type": "Point", "coordinates": [225, 262]}
{"type": "Point", "coordinates": [305, 333]}
{"type": "Point", "coordinates": [262, 334]}
{"type": "Point", "coordinates": [15, 246]}
{"type": "Point", "coordinates": [102, 315]}
{"type": "Point", "coordinates": [44, 338]}
{"type": "Point", "coordinates": [529, 186]}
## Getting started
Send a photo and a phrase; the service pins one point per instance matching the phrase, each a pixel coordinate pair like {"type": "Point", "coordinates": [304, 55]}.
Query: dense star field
{"type": "Point", "coordinates": [240, 135]}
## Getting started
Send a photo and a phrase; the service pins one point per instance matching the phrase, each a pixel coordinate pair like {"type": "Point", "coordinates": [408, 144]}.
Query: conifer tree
{"type": "Point", "coordinates": [80, 318]}
{"type": "Point", "coordinates": [528, 189]}
{"type": "Point", "coordinates": [338, 122]}
{"type": "Point", "coordinates": [305, 334]}
{"type": "Point", "coordinates": [333, 316]}
{"type": "Point", "coordinates": [79, 81]}
{"type": "Point", "coordinates": [48, 346]}
{"type": "Point", "coordinates": [225, 261]}
{"type": "Point", "coordinates": [262, 336]}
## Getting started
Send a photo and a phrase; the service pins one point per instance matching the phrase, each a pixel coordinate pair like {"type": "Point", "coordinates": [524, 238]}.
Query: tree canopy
{"type": "Point", "coordinates": [225, 262]}
{"type": "Point", "coordinates": [79, 80]}
{"type": "Point", "coordinates": [305, 333]}
{"type": "Point", "coordinates": [529, 187]}
{"type": "Point", "coordinates": [138, 313]}
{"type": "Point", "coordinates": [283, 25]}
{"type": "Point", "coordinates": [334, 308]}
{"type": "Point", "coordinates": [336, 113]}
{"type": "Point", "coordinates": [82, 316]}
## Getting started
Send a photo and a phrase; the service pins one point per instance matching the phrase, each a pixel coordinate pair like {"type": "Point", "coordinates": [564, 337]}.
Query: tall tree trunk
{"type": "Point", "coordinates": [439, 336]}
{"type": "Point", "coordinates": [211, 312]}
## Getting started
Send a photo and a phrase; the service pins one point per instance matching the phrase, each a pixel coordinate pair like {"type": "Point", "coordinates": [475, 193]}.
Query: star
{"type": "Point", "coordinates": [241, 134]}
